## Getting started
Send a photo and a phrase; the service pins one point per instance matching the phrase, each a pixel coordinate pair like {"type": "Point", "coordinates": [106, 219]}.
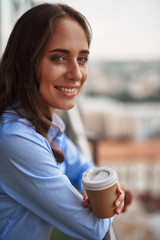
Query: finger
{"type": "Point", "coordinates": [125, 208]}
{"type": "Point", "coordinates": [120, 199]}
{"type": "Point", "coordinates": [119, 209]}
{"type": "Point", "coordinates": [128, 198]}
{"type": "Point", "coordinates": [85, 194]}
{"type": "Point", "coordinates": [118, 190]}
{"type": "Point", "coordinates": [120, 193]}
{"type": "Point", "coordinates": [127, 201]}
{"type": "Point", "coordinates": [86, 202]}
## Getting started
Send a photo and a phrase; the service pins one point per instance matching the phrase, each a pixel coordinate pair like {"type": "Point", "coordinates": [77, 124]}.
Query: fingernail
{"type": "Point", "coordinates": [118, 211]}
{"type": "Point", "coordinates": [117, 203]}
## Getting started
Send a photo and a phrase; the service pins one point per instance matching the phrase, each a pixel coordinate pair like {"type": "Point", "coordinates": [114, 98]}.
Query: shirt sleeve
{"type": "Point", "coordinates": [76, 163]}
{"type": "Point", "coordinates": [31, 176]}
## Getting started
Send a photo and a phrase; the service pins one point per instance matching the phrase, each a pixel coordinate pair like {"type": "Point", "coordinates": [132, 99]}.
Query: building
{"type": "Point", "coordinates": [115, 120]}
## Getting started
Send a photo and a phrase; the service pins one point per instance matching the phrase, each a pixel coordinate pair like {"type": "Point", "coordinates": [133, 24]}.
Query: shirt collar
{"type": "Point", "coordinates": [57, 121]}
{"type": "Point", "coordinates": [55, 131]}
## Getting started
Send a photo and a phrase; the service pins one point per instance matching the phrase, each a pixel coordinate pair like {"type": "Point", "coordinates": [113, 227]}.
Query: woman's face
{"type": "Point", "coordinates": [63, 68]}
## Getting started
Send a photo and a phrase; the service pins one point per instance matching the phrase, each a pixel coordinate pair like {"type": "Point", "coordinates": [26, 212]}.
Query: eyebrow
{"type": "Point", "coordinates": [67, 51]}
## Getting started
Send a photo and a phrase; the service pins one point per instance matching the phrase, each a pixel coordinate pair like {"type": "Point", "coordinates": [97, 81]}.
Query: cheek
{"type": "Point", "coordinates": [46, 71]}
{"type": "Point", "coordinates": [46, 76]}
{"type": "Point", "coordinates": [85, 75]}
{"type": "Point", "coordinates": [45, 83]}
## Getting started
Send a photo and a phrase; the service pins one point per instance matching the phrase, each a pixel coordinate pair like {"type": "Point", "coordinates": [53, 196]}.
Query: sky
{"type": "Point", "coordinates": [122, 29]}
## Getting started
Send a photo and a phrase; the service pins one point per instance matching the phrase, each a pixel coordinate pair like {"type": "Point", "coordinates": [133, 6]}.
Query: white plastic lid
{"type": "Point", "coordinates": [99, 178]}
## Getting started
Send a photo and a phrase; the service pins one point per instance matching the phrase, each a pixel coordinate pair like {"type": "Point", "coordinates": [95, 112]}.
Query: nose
{"type": "Point", "coordinates": [74, 71]}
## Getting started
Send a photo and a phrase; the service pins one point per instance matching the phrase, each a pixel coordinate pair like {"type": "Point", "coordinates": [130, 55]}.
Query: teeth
{"type": "Point", "coordinates": [69, 90]}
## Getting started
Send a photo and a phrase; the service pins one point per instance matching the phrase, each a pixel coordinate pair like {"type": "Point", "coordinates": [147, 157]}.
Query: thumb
{"type": "Point", "coordinates": [118, 190]}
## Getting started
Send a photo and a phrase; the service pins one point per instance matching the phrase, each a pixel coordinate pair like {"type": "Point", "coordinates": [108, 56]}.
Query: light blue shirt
{"type": "Point", "coordinates": [36, 193]}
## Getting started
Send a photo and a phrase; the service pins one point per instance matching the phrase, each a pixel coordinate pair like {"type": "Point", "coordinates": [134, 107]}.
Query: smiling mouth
{"type": "Point", "coordinates": [67, 90]}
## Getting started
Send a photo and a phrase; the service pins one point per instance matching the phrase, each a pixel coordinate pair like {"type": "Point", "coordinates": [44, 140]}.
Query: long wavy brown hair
{"type": "Point", "coordinates": [20, 63]}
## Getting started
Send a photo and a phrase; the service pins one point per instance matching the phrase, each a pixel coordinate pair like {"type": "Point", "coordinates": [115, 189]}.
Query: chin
{"type": "Point", "coordinates": [66, 107]}
{"type": "Point", "coordinates": [69, 107]}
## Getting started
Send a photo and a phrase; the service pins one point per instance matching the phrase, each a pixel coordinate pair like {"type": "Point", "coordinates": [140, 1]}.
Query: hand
{"type": "Point", "coordinates": [128, 197]}
{"type": "Point", "coordinates": [124, 198]}
{"type": "Point", "coordinates": [119, 202]}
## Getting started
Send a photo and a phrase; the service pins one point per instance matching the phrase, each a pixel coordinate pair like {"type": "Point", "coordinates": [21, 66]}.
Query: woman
{"type": "Point", "coordinates": [43, 69]}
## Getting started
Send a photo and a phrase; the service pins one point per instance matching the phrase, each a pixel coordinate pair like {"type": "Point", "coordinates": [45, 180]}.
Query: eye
{"type": "Point", "coordinates": [83, 60]}
{"type": "Point", "coordinates": [57, 58]}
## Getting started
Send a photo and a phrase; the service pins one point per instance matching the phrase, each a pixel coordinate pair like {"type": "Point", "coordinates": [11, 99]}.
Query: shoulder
{"type": "Point", "coordinates": [23, 148]}
{"type": "Point", "coordinates": [13, 125]}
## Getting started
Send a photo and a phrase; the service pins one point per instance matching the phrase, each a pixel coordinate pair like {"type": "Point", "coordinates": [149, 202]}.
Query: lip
{"type": "Point", "coordinates": [68, 90]}
{"type": "Point", "coordinates": [68, 86]}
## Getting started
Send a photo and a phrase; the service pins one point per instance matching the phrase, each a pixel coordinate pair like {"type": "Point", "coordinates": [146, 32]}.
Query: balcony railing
{"type": "Point", "coordinates": [76, 131]}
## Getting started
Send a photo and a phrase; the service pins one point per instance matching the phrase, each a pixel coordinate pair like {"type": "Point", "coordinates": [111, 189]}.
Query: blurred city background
{"type": "Point", "coordinates": [118, 112]}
